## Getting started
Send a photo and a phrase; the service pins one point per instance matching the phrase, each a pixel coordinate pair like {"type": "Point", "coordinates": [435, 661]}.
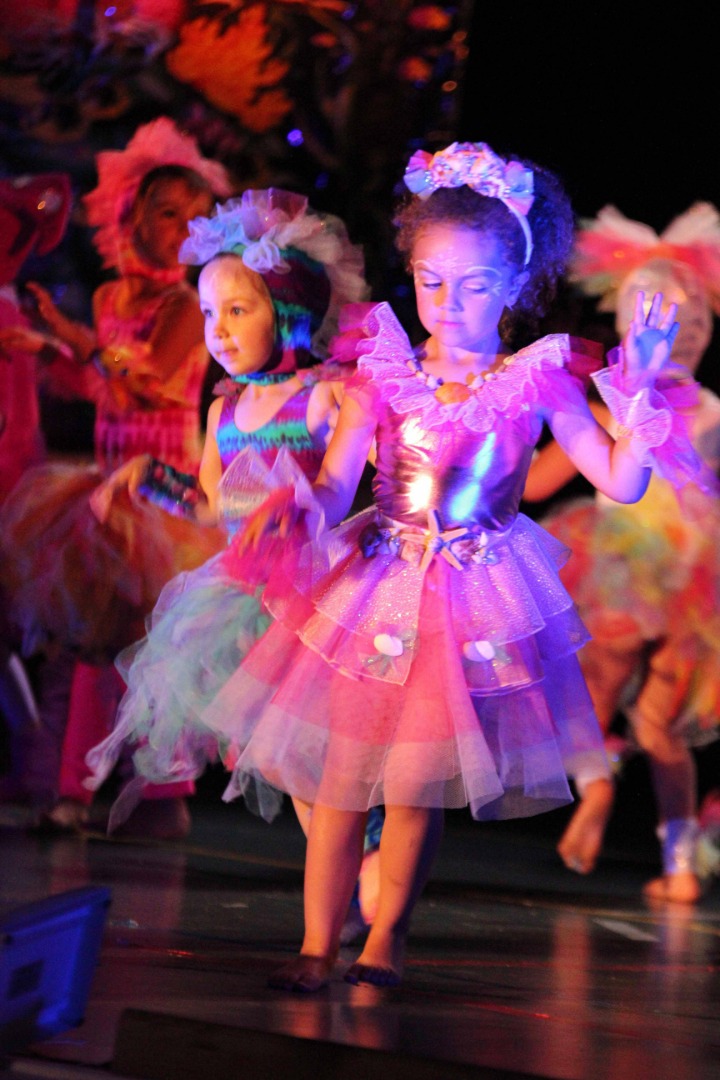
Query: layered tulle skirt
{"type": "Point", "coordinates": [648, 578]}
{"type": "Point", "coordinates": [200, 629]}
{"type": "Point", "coordinates": [393, 677]}
{"type": "Point", "coordinates": [75, 583]}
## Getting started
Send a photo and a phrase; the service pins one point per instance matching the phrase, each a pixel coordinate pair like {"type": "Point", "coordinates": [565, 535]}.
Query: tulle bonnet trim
{"type": "Point", "coordinates": [121, 172]}
{"type": "Point", "coordinates": [263, 226]}
{"type": "Point", "coordinates": [372, 333]}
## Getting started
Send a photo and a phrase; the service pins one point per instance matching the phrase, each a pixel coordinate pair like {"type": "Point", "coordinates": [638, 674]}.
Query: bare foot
{"type": "Point", "coordinates": [370, 973]}
{"type": "Point", "coordinates": [380, 962]}
{"type": "Point", "coordinates": [580, 844]}
{"type": "Point", "coordinates": [681, 888]}
{"type": "Point", "coordinates": [305, 974]}
{"type": "Point", "coordinates": [67, 817]}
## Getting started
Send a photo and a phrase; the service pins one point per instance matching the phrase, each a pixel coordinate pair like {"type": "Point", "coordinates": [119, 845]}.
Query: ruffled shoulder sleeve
{"type": "Point", "coordinates": [371, 337]}
{"type": "Point", "coordinates": [658, 420]}
{"type": "Point", "coordinates": [372, 340]}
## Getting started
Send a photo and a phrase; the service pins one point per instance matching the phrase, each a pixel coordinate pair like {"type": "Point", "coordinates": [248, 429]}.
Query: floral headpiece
{"type": "Point", "coordinates": [479, 168]}
{"type": "Point", "coordinates": [612, 246]}
{"type": "Point", "coordinates": [306, 259]}
{"type": "Point", "coordinates": [121, 172]}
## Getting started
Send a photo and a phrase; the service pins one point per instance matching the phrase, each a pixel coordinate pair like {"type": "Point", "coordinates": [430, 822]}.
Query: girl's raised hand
{"type": "Point", "coordinates": [648, 341]}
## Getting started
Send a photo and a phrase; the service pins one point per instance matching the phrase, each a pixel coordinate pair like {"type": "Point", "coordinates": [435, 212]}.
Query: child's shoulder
{"type": "Point", "coordinates": [578, 356]}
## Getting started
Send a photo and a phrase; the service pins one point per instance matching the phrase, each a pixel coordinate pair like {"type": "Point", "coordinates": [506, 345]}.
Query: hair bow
{"type": "Point", "coordinates": [479, 168]}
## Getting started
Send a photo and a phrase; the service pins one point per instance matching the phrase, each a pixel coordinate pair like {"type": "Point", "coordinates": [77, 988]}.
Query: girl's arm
{"type": "Point", "coordinates": [613, 466]}
{"type": "Point", "coordinates": [323, 410]}
{"type": "Point", "coordinates": [143, 477]}
{"type": "Point", "coordinates": [77, 336]}
{"type": "Point", "coordinates": [178, 329]}
{"type": "Point", "coordinates": [210, 472]}
{"type": "Point", "coordinates": [337, 481]}
{"type": "Point", "coordinates": [344, 460]}
{"type": "Point", "coordinates": [551, 468]}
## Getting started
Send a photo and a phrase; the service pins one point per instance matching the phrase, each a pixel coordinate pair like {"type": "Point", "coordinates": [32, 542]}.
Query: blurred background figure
{"type": "Point", "coordinates": [646, 576]}
{"type": "Point", "coordinates": [76, 588]}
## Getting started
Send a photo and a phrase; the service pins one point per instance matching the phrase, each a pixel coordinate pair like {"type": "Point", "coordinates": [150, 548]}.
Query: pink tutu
{"type": "Point", "coordinates": [73, 582]}
{"type": "Point", "coordinates": [358, 710]}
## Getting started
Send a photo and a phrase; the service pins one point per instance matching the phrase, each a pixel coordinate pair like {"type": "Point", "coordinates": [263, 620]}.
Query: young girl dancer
{"type": "Point", "coordinates": [72, 584]}
{"type": "Point", "coordinates": [423, 653]}
{"type": "Point", "coordinates": [646, 577]}
{"type": "Point", "coordinates": [275, 276]}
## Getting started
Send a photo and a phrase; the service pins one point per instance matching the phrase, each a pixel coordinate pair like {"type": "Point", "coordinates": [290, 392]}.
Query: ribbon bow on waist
{"type": "Point", "coordinates": [458, 546]}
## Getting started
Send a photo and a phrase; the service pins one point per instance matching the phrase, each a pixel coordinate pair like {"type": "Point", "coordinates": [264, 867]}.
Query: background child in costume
{"type": "Point", "coordinates": [423, 652]}
{"type": "Point", "coordinates": [73, 584]}
{"type": "Point", "coordinates": [646, 577]}
{"type": "Point", "coordinates": [34, 212]}
{"type": "Point", "coordinates": [275, 274]}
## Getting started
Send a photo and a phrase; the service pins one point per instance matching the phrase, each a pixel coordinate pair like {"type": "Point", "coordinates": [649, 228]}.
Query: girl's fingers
{"type": "Point", "coordinates": [669, 318]}
{"type": "Point", "coordinates": [639, 309]}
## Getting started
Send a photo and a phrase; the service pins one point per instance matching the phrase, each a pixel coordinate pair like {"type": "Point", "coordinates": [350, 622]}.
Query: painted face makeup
{"type": "Point", "coordinates": [462, 286]}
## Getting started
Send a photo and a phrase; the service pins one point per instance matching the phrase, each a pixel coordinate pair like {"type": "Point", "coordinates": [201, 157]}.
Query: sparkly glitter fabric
{"type": "Point", "coordinates": [424, 651]}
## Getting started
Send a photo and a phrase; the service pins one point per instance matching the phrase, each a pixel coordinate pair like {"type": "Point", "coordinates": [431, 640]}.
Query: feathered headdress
{"type": "Point", "coordinates": [612, 246]}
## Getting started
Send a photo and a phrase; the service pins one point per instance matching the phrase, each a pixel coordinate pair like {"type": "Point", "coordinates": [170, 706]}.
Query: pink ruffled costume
{"type": "Point", "coordinates": [424, 650]}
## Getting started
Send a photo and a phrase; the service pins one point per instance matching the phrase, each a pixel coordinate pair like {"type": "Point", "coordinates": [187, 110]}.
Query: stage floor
{"type": "Point", "coordinates": [516, 967]}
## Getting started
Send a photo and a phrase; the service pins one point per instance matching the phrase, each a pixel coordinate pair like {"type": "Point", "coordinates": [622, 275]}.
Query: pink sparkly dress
{"type": "Point", "coordinates": [423, 651]}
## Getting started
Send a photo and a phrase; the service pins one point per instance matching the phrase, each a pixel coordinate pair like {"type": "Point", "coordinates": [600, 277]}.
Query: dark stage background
{"type": "Point", "coordinates": [330, 97]}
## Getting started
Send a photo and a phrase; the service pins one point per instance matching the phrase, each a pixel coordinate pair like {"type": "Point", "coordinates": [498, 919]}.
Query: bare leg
{"type": "Point", "coordinates": [303, 811]}
{"type": "Point", "coordinates": [607, 671]}
{"type": "Point", "coordinates": [363, 902]}
{"type": "Point", "coordinates": [408, 845]}
{"type": "Point", "coordinates": [334, 852]}
{"type": "Point", "coordinates": [582, 840]}
{"type": "Point", "coordinates": [672, 768]}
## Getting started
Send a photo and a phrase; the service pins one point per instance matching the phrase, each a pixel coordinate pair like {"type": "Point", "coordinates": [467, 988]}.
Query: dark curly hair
{"type": "Point", "coordinates": [551, 222]}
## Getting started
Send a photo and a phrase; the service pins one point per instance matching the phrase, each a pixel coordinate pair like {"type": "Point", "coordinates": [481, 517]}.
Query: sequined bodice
{"type": "Point", "coordinates": [288, 427]}
{"type": "Point", "coordinates": [468, 477]}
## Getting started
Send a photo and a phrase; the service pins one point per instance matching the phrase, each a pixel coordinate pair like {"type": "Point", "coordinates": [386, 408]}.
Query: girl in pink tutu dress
{"type": "Point", "coordinates": [274, 278]}
{"type": "Point", "coordinates": [646, 577]}
{"type": "Point", "coordinates": [423, 651]}
{"type": "Point", "coordinates": [74, 584]}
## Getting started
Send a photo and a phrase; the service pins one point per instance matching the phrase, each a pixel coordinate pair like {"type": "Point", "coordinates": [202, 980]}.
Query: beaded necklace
{"type": "Point", "coordinates": [449, 393]}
